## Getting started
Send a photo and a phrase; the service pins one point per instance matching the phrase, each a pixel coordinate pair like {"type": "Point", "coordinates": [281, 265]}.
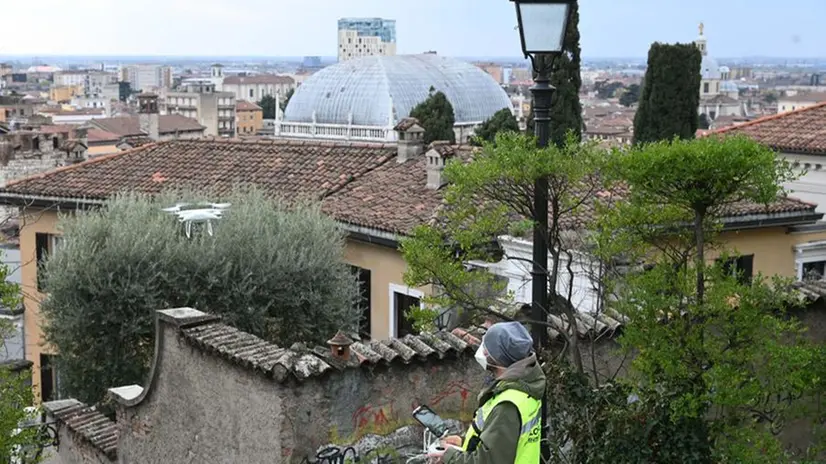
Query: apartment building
{"type": "Point", "coordinates": [254, 88]}
{"type": "Point", "coordinates": [359, 37]}
{"type": "Point", "coordinates": [250, 117]}
{"type": "Point", "coordinates": [147, 77]}
{"type": "Point", "coordinates": [201, 102]}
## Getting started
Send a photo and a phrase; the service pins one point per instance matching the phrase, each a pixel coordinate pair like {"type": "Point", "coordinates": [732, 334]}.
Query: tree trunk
{"type": "Point", "coordinates": [699, 261]}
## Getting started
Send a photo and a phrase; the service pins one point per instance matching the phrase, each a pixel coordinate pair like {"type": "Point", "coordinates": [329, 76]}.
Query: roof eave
{"type": "Point", "coordinates": [47, 201]}
{"type": "Point", "coordinates": [758, 221]}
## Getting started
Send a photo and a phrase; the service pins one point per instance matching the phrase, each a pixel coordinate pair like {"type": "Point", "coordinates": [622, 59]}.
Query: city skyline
{"type": "Point", "coordinates": [484, 27]}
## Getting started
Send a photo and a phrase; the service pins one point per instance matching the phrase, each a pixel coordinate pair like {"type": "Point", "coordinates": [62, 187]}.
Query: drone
{"type": "Point", "coordinates": [200, 213]}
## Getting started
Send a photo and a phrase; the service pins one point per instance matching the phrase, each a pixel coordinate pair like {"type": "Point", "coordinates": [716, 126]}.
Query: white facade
{"type": "Point", "coordinates": [148, 77]}
{"type": "Point", "coordinates": [516, 268]}
{"type": "Point", "coordinates": [351, 45]}
{"type": "Point", "coordinates": [254, 88]}
{"type": "Point", "coordinates": [69, 78]}
{"type": "Point", "coordinates": [797, 102]}
{"type": "Point", "coordinates": [811, 186]}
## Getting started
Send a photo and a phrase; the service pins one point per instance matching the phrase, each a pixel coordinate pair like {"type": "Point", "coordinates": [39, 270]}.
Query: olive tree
{"type": "Point", "coordinates": [273, 270]}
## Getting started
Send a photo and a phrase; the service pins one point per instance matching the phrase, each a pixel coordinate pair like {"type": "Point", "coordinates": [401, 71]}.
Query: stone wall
{"type": "Point", "coordinates": [85, 435]}
{"type": "Point", "coordinates": [219, 395]}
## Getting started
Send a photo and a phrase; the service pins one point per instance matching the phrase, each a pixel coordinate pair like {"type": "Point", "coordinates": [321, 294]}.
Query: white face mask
{"type": "Point", "coordinates": [481, 358]}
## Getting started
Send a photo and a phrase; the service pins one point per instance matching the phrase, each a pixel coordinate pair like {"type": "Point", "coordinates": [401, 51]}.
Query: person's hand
{"type": "Point", "coordinates": [434, 456]}
{"type": "Point", "coordinates": [452, 440]}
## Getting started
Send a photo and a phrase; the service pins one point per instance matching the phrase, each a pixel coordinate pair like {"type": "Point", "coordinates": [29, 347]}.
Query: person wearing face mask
{"type": "Point", "coordinates": [506, 427]}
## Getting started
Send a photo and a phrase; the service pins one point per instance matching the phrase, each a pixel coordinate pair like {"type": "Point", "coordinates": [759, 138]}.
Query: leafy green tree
{"type": "Point", "coordinates": [698, 180]}
{"type": "Point", "coordinates": [770, 97]}
{"type": "Point", "coordinates": [719, 349]}
{"type": "Point", "coordinates": [286, 100]}
{"type": "Point", "coordinates": [501, 121]}
{"type": "Point", "coordinates": [436, 116]}
{"type": "Point", "coordinates": [491, 196]}
{"type": "Point", "coordinates": [670, 95]}
{"type": "Point", "coordinates": [16, 398]}
{"type": "Point", "coordinates": [630, 96]}
{"type": "Point", "coordinates": [606, 90]}
{"type": "Point", "coordinates": [270, 270]}
{"type": "Point", "coordinates": [267, 103]}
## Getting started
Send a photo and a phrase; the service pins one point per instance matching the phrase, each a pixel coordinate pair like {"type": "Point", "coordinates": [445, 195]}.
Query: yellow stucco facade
{"type": "Point", "coordinates": [250, 121]}
{"type": "Point", "coordinates": [64, 93]}
{"type": "Point", "coordinates": [772, 247]}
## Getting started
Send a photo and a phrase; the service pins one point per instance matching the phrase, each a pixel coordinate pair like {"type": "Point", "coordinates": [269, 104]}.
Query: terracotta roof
{"type": "Point", "coordinates": [259, 79]}
{"type": "Point", "coordinates": [130, 125]}
{"type": "Point", "coordinates": [406, 124]}
{"type": "Point", "coordinates": [393, 197]}
{"type": "Point", "coordinates": [301, 363]}
{"type": "Point", "coordinates": [98, 135]}
{"type": "Point", "coordinates": [799, 131]}
{"type": "Point", "coordinates": [78, 112]}
{"type": "Point", "coordinates": [243, 105]}
{"type": "Point", "coordinates": [57, 128]}
{"type": "Point", "coordinates": [88, 423]}
{"type": "Point", "coordinates": [286, 168]}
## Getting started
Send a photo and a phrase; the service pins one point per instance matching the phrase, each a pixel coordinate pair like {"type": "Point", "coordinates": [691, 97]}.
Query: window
{"type": "Point", "coordinates": [740, 266]}
{"type": "Point", "coordinates": [36, 143]}
{"type": "Point", "coordinates": [705, 87]}
{"type": "Point", "coordinates": [363, 276]}
{"type": "Point", "coordinates": [402, 299]}
{"type": "Point", "coordinates": [814, 270]}
{"type": "Point", "coordinates": [44, 245]}
{"type": "Point", "coordinates": [49, 379]}
{"type": "Point", "coordinates": [55, 143]}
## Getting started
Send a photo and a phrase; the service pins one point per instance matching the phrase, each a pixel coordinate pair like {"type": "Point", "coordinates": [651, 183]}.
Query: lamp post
{"type": "Point", "coordinates": [542, 28]}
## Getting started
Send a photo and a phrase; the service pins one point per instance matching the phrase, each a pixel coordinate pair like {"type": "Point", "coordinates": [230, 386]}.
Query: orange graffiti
{"type": "Point", "coordinates": [370, 416]}
{"type": "Point", "coordinates": [452, 388]}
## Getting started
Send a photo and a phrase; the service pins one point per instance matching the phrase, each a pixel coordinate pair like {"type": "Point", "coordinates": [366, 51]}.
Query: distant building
{"type": "Point", "coordinates": [201, 102]}
{"type": "Point", "coordinates": [64, 93]}
{"type": "Point", "coordinates": [147, 77]}
{"type": "Point", "coordinates": [69, 78]}
{"type": "Point", "coordinates": [364, 99]}
{"type": "Point", "coordinates": [250, 117]}
{"type": "Point", "coordinates": [798, 101]}
{"type": "Point", "coordinates": [495, 71]}
{"type": "Point", "coordinates": [359, 37]}
{"type": "Point", "coordinates": [254, 88]}
{"type": "Point", "coordinates": [718, 94]}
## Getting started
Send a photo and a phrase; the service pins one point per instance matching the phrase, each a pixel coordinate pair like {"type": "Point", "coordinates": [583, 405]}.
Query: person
{"type": "Point", "coordinates": [506, 428]}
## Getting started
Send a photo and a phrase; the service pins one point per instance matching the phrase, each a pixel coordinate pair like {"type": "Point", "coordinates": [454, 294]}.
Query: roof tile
{"type": "Point", "coordinates": [799, 131]}
{"type": "Point", "coordinates": [284, 168]}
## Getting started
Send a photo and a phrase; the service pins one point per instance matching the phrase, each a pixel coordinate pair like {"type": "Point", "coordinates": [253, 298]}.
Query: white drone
{"type": "Point", "coordinates": [201, 213]}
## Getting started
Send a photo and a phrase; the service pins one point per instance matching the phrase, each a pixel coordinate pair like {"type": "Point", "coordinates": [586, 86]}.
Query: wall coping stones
{"type": "Point", "coordinates": [87, 423]}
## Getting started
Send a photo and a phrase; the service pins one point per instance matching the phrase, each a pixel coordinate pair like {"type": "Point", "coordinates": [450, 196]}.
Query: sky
{"type": "Point", "coordinates": [469, 28]}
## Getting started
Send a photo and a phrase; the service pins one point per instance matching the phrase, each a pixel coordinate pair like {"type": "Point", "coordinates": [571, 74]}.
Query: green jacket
{"type": "Point", "coordinates": [503, 427]}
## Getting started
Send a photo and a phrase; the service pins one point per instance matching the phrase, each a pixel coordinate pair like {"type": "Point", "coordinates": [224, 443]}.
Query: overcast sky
{"type": "Point", "coordinates": [610, 28]}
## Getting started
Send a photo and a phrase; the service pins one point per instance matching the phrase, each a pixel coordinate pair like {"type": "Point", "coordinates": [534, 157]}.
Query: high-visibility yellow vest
{"type": "Point", "coordinates": [527, 449]}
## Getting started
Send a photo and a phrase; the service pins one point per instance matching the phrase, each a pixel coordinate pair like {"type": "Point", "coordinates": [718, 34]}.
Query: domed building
{"type": "Point", "coordinates": [719, 96]}
{"type": "Point", "coordinates": [363, 99]}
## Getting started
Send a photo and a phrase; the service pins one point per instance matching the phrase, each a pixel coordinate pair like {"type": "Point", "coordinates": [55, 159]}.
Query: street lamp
{"type": "Point", "coordinates": [542, 29]}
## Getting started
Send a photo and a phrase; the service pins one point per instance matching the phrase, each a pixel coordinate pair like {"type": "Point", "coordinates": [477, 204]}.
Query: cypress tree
{"type": "Point", "coordinates": [435, 114]}
{"type": "Point", "coordinates": [501, 121]}
{"type": "Point", "coordinates": [566, 109]}
{"type": "Point", "coordinates": [671, 94]}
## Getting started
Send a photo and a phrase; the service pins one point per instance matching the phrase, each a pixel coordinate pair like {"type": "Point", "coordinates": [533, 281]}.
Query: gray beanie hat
{"type": "Point", "coordinates": [507, 343]}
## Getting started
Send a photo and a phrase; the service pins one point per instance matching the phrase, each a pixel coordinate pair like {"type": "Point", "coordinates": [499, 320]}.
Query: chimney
{"type": "Point", "coordinates": [411, 139]}
{"type": "Point", "coordinates": [82, 136]}
{"type": "Point", "coordinates": [340, 346]}
{"type": "Point", "coordinates": [438, 153]}
{"type": "Point", "coordinates": [148, 115]}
